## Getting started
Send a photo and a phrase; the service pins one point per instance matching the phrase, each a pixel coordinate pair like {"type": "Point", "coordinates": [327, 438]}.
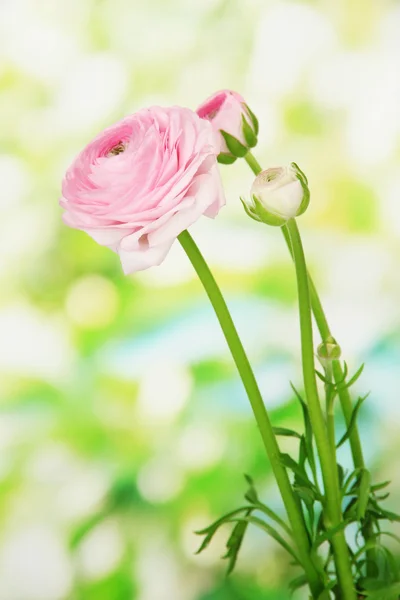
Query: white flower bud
{"type": "Point", "coordinates": [278, 194]}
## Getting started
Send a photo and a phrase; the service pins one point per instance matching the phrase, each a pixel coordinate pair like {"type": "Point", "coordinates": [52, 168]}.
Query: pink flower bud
{"type": "Point", "coordinates": [234, 123]}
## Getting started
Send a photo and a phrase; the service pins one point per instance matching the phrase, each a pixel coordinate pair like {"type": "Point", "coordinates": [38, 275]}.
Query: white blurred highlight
{"type": "Point", "coordinates": [33, 343]}
{"type": "Point", "coordinates": [92, 302]}
{"type": "Point", "coordinates": [164, 389]}
{"type": "Point", "coordinates": [101, 551]}
{"type": "Point", "coordinates": [34, 565]}
{"type": "Point", "coordinates": [160, 480]}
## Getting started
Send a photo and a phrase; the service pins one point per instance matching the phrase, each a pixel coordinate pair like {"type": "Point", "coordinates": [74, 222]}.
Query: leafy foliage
{"type": "Point", "coordinates": [376, 572]}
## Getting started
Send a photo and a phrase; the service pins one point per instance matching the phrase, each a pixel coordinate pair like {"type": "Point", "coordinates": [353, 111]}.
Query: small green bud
{"type": "Point", "coordinates": [328, 350]}
{"type": "Point", "coordinates": [278, 194]}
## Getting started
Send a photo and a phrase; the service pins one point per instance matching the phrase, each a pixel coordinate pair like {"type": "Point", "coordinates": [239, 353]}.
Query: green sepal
{"type": "Point", "coordinates": [234, 145]}
{"type": "Point", "coordinates": [248, 133]}
{"type": "Point", "coordinates": [266, 216]}
{"type": "Point", "coordinates": [249, 211]}
{"type": "Point", "coordinates": [253, 118]}
{"type": "Point", "coordinates": [304, 184]}
{"type": "Point", "coordinates": [225, 159]}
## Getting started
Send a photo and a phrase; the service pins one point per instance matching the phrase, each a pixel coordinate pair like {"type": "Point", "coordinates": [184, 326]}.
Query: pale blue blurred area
{"type": "Point", "coordinates": [123, 387]}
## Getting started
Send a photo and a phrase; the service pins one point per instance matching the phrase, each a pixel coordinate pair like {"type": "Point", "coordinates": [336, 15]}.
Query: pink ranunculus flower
{"type": "Point", "coordinates": [143, 181]}
{"type": "Point", "coordinates": [234, 123]}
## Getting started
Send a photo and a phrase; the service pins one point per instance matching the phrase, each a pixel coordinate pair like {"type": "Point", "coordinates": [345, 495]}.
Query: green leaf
{"type": "Point", "coordinates": [352, 380]}
{"type": "Point", "coordinates": [298, 582]}
{"type": "Point", "coordinates": [307, 428]}
{"type": "Point", "coordinates": [380, 486]}
{"type": "Point", "coordinates": [382, 513]}
{"type": "Point", "coordinates": [321, 376]}
{"type": "Point", "coordinates": [341, 475]}
{"type": "Point", "coordinates": [286, 432]}
{"type": "Point", "coordinates": [274, 534]}
{"type": "Point", "coordinates": [210, 531]}
{"type": "Point", "coordinates": [252, 497]}
{"type": "Point", "coordinates": [302, 452]}
{"type": "Point", "coordinates": [225, 159]}
{"type": "Point", "coordinates": [383, 592]}
{"type": "Point", "coordinates": [234, 146]}
{"type": "Point", "coordinates": [234, 543]}
{"type": "Point", "coordinates": [301, 476]}
{"type": "Point", "coordinates": [352, 476]}
{"type": "Point", "coordinates": [353, 421]}
{"type": "Point", "coordinates": [251, 494]}
{"type": "Point", "coordinates": [345, 370]}
{"type": "Point", "coordinates": [363, 493]}
{"type": "Point", "coordinates": [248, 133]}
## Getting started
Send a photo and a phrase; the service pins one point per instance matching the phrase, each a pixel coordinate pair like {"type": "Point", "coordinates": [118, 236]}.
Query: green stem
{"type": "Point", "coordinates": [338, 374]}
{"type": "Point", "coordinates": [324, 330]}
{"type": "Point", "coordinates": [332, 510]}
{"type": "Point", "coordinates": [292, 505]}
{"type": "Point", "coordinates": [330, 413]}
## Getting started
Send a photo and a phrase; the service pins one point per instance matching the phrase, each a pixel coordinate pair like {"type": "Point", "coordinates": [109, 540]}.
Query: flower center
{"type": "Point", "coordinates": [117, 149]}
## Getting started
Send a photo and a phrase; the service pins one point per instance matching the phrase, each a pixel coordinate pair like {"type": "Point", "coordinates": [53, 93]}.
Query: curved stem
{"type": "Point", "coordinates": [324, 330]}
{"type": "Point", "coordinates": [292, 505]}
{"type": "Point", "coordinates": [338, 374]}
{"type": "Point", "coordinates": [332, 511]}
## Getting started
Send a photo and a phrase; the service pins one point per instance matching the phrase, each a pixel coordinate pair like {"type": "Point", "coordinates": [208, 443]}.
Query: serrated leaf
{"type": "Point", "coordinates": [225, 159]}
{"type": "Point", "coordinates": [210, 531]}
{"type": "Point", "coordinates": [234, 544]}
{"type": "Point", "coordinates": [353, 421]}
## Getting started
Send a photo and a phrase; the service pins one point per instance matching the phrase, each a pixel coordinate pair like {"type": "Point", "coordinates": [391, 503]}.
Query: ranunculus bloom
{"type": "Point", "coordinates": [278, 194]}
{"type": "Point", "coordinates": [143, 181]}
{"type": "Point", "coordinates": [228, 113]}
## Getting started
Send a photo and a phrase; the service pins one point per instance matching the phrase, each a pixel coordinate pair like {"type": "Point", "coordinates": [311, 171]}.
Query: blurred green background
{"type": "Point", "coordinates": [123, 425]}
